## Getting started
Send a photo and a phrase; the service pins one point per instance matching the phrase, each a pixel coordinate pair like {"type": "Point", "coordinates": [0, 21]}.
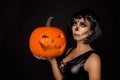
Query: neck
{"type": "Point", "coordinates": [83, 47]}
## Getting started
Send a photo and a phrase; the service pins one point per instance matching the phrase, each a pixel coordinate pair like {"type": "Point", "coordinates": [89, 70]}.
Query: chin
{"type": "Point", "coordinates": [76, 39]}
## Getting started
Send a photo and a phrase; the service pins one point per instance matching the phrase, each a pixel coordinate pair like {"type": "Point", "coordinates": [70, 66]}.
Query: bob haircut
{"type": "Point", "coordinates": [87, 14]}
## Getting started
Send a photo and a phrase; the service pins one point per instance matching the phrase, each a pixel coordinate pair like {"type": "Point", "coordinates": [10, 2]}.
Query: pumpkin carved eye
{"type": "Point", "coordinates": [44, 36]}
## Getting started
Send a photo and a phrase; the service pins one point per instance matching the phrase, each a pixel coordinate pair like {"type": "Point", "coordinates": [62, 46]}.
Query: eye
{"type": "Point", "coordinates": [83, 24]}
{"type": "Point", "coordinates": [74, 24]}
{"type": "Point", "coordinates": [44, 36]}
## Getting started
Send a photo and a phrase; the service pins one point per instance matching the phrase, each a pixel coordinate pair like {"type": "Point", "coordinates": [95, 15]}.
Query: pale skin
{"type": "Point", "coordinates": [81, 30]}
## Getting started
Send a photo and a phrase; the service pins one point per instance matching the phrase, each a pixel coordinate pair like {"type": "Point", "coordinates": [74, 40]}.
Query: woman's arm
{"type": "Point", "coordinates": [94, 67]}
{"type": "Point", "coordinates": [56, 72]}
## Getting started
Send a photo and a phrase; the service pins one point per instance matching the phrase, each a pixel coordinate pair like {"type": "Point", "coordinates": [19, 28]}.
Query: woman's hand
{"type": "Point", "coordinates": [40, 58]}
{"type": "Point", "coordinates": [45, 58]}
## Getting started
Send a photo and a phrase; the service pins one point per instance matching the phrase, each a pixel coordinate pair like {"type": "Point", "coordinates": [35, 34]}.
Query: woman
{"type": "Point", "coordinates": [80, 62]}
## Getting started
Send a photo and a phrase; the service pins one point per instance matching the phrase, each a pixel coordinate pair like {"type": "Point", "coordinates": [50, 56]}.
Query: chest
{"type": "Point", "coordinates": [75, 66]}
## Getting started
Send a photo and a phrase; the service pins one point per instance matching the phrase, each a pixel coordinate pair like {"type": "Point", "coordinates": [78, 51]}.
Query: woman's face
{"type": "Point", "coordinates": [81, 29]}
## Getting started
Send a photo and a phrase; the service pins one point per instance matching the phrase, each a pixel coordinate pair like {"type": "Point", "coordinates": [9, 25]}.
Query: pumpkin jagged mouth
{"type": "Point", "coordinates": [45, 48]}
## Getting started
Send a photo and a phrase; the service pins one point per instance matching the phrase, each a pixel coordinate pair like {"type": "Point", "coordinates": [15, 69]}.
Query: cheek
{"type": "Point", "coordinates": [84, 32]}
{"type": "Point", "coordinates": [73, 28]}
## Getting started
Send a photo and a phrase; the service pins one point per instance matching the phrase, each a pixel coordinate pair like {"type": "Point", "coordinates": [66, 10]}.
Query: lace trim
{"type": "Point", "coordinates": [62, 65]}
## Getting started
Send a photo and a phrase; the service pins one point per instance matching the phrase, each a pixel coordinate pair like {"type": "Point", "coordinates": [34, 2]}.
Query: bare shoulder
{"type": "Point", "coordinates": [94, 57]}
{"type": "Point", "coordinates": [93, 67]}
{"type": "Point", "coordinates": [94, 61]}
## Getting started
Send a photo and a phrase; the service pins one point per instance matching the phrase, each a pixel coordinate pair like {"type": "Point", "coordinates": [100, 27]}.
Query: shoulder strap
{"type": "Point", "coordinates": [84, 57]}
{"type": "Point", "coordinates": [69, 50]}
{"type": "Point", "coordinates": [88, 53]}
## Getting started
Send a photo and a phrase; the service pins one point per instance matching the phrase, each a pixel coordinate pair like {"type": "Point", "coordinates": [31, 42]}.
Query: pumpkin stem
{"type": "Point", "coordinates": [49, 21]}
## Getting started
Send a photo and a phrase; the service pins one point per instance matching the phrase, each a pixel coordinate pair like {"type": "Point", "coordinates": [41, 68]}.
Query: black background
{"type": "Point", "coordinates": [19, 17]}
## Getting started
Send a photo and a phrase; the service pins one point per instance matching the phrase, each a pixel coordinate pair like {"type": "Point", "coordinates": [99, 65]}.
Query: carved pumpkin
{"type": "Point", "coordinates": [47, 41]}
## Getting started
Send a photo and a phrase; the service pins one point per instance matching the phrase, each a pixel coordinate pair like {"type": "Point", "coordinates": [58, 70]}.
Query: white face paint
{"type": "Point", "coordinates": [81, 29]}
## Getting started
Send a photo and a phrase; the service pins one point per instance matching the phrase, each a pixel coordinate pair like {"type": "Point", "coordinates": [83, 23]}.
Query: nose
{"type": "Point", "coordinates": [76, 29]}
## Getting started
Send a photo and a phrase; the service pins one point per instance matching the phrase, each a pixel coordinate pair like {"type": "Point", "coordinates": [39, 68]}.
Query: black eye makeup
{"type": "Point", "coordinates": [74, 22]}
{"type": "Point", "coordinates": [83, 24]}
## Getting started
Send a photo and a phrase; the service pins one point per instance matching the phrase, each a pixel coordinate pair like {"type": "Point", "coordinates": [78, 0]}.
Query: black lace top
{"type": "Point", "coordinates": [74, 69]}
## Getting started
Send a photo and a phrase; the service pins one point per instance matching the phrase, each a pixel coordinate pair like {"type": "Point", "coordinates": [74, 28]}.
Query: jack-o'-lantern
{"type": "Point", "coordinates": [47, 41]}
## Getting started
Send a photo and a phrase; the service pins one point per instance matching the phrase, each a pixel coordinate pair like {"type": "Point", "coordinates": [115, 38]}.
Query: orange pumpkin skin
{"type": "Point", "coordinates": [47, 42]}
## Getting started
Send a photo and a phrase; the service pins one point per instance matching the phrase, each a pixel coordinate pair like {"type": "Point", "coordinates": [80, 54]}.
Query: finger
{"type": "Point", "coordinates": [40, 58]}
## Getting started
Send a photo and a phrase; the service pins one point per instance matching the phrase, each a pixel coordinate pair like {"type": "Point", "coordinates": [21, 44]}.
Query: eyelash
{"type": "Point", "coordinates": [81, 24]}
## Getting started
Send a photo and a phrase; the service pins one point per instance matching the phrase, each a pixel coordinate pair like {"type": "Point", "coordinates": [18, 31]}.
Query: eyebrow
{"type": "Point", "coordinates": [83, 23]}
{"type": "Point", "coordinates": [74, 22]}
